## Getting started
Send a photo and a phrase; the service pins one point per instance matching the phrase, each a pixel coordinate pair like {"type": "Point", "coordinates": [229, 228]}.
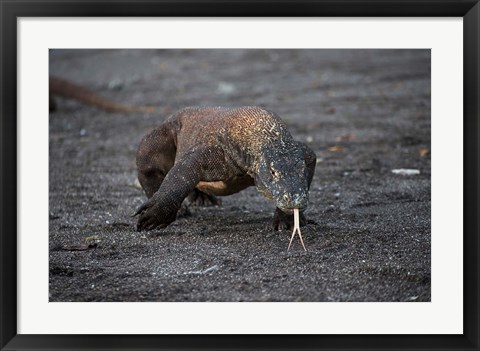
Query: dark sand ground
{"type": "Point", "coordinates": [364, 113]}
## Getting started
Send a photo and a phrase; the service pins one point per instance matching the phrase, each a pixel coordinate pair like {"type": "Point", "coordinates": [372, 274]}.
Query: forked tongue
{"type": "Point", "coordinates": [296, 228]}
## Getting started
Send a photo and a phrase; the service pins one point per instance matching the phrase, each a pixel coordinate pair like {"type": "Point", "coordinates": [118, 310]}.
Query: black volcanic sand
{"type": "Point", "coordinates": [364, 113]}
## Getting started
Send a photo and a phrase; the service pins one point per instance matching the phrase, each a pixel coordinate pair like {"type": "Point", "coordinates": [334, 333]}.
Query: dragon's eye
{"type": "Point", "coordinates": [274, 172]}
{"type": "Point", "coordinates": [300, 167]}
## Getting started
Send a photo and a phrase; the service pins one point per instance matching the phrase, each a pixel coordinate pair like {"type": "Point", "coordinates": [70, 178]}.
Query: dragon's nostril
{"type": "Point", "coordinates": [286, 197]}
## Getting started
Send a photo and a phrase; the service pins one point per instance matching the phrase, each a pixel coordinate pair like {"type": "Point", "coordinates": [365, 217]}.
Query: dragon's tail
{"type": "Point", "coordinates": [69, 90]}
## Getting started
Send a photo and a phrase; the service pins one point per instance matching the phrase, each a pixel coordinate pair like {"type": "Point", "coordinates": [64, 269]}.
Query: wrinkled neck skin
{"type": "Point", "coordinates": [250, 135]}
{"type": "Point", "coordinates": [281, 176]}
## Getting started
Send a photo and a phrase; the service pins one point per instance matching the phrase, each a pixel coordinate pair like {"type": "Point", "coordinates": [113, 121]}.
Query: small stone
{"type": "Point", "coordinates": [115, 84]}
{"type": "Point", "coordinates": [406, 171]}
{"type": "Point", "coordinates": [226, 88]}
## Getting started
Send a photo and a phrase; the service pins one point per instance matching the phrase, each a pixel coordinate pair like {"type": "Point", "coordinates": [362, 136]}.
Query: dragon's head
{"type": "Point", "coordinates": [282, 177]}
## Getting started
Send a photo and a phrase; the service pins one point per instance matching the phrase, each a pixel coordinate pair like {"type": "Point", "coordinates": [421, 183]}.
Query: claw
{"type": "Point", "coordinates": [142, 208]}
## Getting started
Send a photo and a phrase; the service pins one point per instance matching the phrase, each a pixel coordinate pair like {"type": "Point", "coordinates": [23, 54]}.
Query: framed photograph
{"type": "Point", "coordinates": [225, 175]}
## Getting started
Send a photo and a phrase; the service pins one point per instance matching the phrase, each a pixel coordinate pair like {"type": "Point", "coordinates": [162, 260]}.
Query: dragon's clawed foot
{"type": "Point", "coordinates": [153, 215]}
{"type": "Point", "coordinates": [281, 220]}
{"type": "Point", "coordinates": [199, 198]}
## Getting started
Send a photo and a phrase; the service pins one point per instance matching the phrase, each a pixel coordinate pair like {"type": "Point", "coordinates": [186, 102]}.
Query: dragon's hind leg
{"type": "Point", "coordinates": [199, 198]}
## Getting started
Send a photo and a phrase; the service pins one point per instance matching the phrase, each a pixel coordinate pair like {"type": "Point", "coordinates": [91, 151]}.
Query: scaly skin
{"type": "Point", "coordinates": [217, 151]}
{"type": "Point", "coordinates": [69, 90]}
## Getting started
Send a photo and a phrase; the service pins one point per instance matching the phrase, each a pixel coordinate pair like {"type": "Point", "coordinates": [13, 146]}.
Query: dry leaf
{"type": "Point", "coordinates": [423, 152]}
{"type": "Point", "coordinates": [331, 110]}
{"type": "Point", "coordinates": [82, 247]}
{"type": "Point", "coordinates": [335, 148]}
{"type": "Point", "coordinates": [346, 137]}
{"type": "Point", "coordinates": [314, 84]}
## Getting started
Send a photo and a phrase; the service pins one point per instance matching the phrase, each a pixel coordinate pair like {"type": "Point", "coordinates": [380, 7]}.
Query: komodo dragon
{"type": "Point", "coordinates": [204, 152]}
{"type": "Point", "coordinates": [66, 89]}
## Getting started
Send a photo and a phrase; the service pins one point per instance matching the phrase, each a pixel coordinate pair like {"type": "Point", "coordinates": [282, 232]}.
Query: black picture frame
{"type": "Point", "coordinates": [11, 11]}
